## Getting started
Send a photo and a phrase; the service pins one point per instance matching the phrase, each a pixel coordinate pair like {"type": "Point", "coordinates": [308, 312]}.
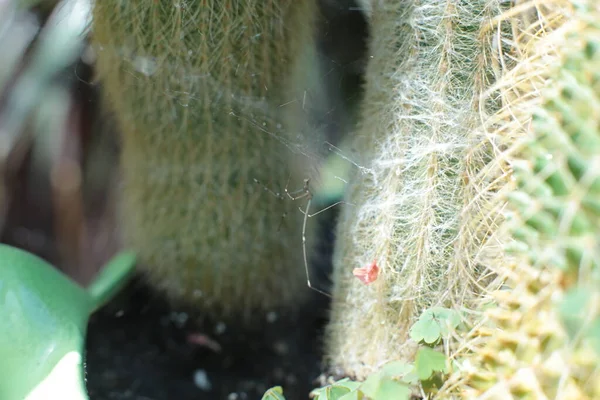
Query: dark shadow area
{"type": "Point", "coordinates": [140, 348]}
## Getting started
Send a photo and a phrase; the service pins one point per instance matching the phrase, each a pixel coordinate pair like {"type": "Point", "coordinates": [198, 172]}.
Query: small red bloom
{"type": "Point", "coordinates": [367, 274]}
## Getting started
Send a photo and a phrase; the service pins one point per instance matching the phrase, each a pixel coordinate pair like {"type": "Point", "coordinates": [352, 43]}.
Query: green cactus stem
{"type": "Point", "coordinates": [215, 100]}
{"type": "Point", "coordinates": [545, 342]}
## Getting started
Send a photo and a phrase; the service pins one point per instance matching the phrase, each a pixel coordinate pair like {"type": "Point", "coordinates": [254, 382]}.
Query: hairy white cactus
{"type": "Point", "coordinates": [425, 202]}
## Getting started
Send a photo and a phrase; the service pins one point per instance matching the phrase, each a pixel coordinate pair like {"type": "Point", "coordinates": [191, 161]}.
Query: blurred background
{"type": "Point", "coordinates": [59, 145]}
{"type": "Point", "coordinates": [58, 149]}
{"type": "Point", "coordinates": [59, 155]}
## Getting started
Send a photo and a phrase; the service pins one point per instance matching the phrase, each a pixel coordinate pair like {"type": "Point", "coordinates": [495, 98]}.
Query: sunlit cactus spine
{"type": "Point", "coordinates": [544, 342]}
{"type": "Point", "coordinates": [214, 100]}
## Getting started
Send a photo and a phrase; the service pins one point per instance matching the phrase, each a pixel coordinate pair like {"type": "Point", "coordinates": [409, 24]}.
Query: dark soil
{"type": "Point", "coordinates": [137, 348]}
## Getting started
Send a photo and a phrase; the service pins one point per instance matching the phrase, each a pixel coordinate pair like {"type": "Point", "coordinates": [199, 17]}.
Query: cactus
{"type": "Point", "coordinates": [215, 101]}
{"type": "Point", "coordinates": [543, 341]}
{"type": "Point", "coordinates": [425, 202]}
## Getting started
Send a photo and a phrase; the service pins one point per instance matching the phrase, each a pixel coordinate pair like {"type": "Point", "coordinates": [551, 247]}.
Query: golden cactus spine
{"type": "Point", "coordinates": [211, 97]}
{"type": "Point", "coordinates": [544, 338]}
{"type": "Point", "coordinates": [424, 200]}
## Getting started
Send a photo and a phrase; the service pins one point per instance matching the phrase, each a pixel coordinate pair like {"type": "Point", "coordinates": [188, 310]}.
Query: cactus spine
{"type": "Point", "coordinates": [544, 339]}
{"type": "Point", "coordinates": [425, 198]}
{"type": "Point", "coordinates": [211, 96]}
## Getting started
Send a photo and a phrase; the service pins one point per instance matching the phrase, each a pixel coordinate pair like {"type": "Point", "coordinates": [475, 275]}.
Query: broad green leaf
{"type": "Point", "coordinates": [400, 371]}
{"type": "Point", "coordinates": [425, 330]}
{"type": "Point", "coordinates": [317, 393]}
{"type": "Point", "coordinates": [433, 384]}
{"type": "Point", "coordinates": [371, 384]}
{"type": "Point", "coordinates": [412, 378]}
{"type": "Point", "coordinates": [384, 388]}
{"type": "Point", "coordinates": [347, 383]}
{"type": "Point", "coordinates": [353, 395]}
{"type": "Point", "coordinates": [336, 390]}
{"type": "Point", "coordinates": [393, 390]}
{"type": "Point", "coordinates": [447, 314]}
{"type": "Point", "coordinates": [433, 324]}
{"type": "Point", "coordinates": [396, 369]}
{"type": "Point", "coordinates": [275, 393]}
{"type": "Point", "coordinates": [429, 361]}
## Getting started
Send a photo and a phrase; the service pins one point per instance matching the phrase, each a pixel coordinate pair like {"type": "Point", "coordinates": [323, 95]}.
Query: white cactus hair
{"type": "Point", "coordinates": [428, 202]}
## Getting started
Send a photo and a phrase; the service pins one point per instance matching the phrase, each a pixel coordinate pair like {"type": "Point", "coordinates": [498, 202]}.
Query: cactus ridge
{"type": "Point", "coordinates": [543, 342]}
{"type": "Point", "coordinates": [211, 97]}
{"type": "Point", "coordinates": [424, 204]}
{"type": "Point", "coordinates": [557, 202]}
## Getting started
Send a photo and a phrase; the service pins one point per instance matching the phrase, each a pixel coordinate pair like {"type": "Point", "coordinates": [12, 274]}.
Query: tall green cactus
{"type": "Point", "coordinates": [214, 98]}
{"type": "Point", "coordinates": [424, 202]}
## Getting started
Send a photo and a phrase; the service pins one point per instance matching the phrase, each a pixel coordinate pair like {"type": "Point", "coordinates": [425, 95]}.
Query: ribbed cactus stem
{"type": "Point", "coordinates": [214, 100]}
{"type": "Point", "coordinates": [420, 149]}
{"type": "Point", "coordinates": [545, 330]}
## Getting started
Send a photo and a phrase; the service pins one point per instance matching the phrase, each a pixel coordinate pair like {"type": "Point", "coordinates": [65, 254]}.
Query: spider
{"type": "Point", "coordinates": [305, 192]}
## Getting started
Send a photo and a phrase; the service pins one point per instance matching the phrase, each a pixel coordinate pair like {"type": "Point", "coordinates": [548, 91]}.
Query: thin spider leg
{"type": "Point", "coordinates": [325, 209]}
{"type": "Point", "coordinates": [305, 191]}
{"type": "Point", "coordinates": [303, 195]}
{"type": "Point", "coordinates": [266, 189]}
{"type": "Point", "coordinates": [304, 251]}
{"type": "Point", "coordinates": [287, 185]}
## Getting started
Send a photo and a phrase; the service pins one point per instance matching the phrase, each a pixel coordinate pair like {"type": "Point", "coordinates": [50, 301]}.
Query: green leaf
{"type": "Point", "coordinates": [347, 383]}
{"type": "Point", "coordinates": [336, 390]}
{"type": "Point", "coordinates": [317, 393]}
{"type": "Point", "coordinates": [412, 378]}
{"type": "Point", "coordinates": [433, 324]}
{"type": "Point", "coordinates": [371, 384]}
{"type": "Point", "coordinates": [429, 361]}
{"type": "Point", "coordinates": [433, 384]}
{"type": "Point", "coordinates": [400, 371]}
{"type": "Point", "coordinates": [393, 390]}
{"type": "Point", "coordinates": [396, 369]}
{"type": "Point", "coordinates": [427, 331]}
{"type": "Point", "coordinates": [353, 395]}
{"type": "Point", "coordinates": [112, 278]}
{"type": "Point", "coordinates": [275, 393]}
{"type": "Point", "coordinates": [383, 388]}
